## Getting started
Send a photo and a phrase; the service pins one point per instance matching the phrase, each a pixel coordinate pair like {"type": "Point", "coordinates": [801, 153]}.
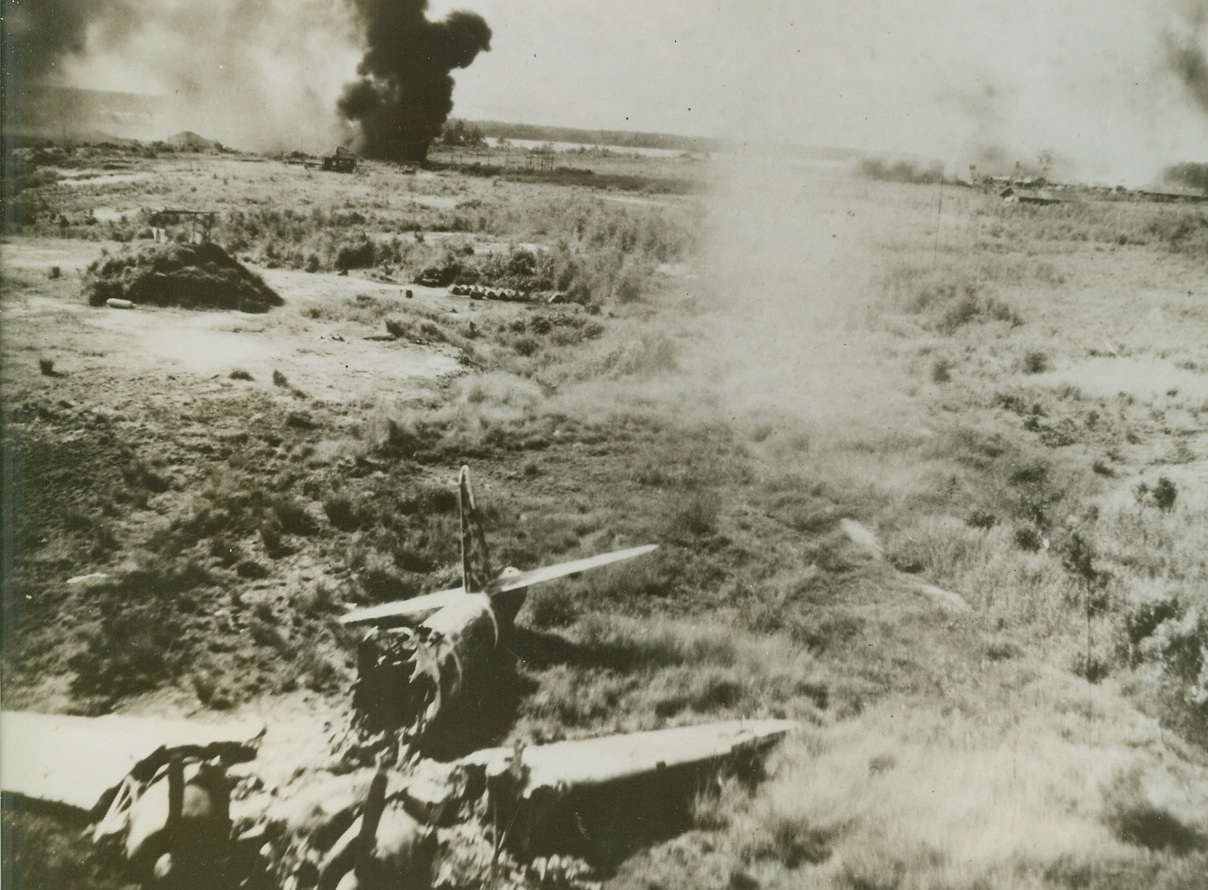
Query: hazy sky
{"type": "Point", "coordinates": [953, 79]}
{"type": "Point", "coordinates": [1088, 78]}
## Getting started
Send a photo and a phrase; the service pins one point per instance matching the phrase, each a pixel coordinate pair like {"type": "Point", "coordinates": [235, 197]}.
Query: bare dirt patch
{"type": "Point", "coordinates": [327, 360]}
{"type": "Point", "coordinates": [1143, 377]}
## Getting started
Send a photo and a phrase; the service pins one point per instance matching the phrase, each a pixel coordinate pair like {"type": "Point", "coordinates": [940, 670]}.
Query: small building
{"type": "Point", "coordinates": [340, 161]}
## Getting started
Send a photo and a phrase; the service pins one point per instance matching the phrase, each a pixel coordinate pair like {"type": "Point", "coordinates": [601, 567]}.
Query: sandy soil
{"type": "Point", "coordinates": [326, 360]}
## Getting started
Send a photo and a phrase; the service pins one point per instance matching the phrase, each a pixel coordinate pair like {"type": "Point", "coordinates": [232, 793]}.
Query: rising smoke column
{"type": "Point", "coordinates": [1185, 54]}
{"type": "Point", "coordinates": [404, 93]}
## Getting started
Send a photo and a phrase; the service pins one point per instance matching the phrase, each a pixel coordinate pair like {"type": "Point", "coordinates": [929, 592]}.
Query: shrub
{"type": "Point", "coordinates": [1078, 557]}
{"type": "Point", "coordinates": [264, 630]}
{"type": "Point", "coordinates": [1164, 494]}
{"type": "Point", "coordinates": [1028, 538]}
{"type": "Point", "coordinates": [274, 546]}
{"type": "Point", "coordinates": [441, 273]}
{"type": "Point", "coordinates": [341, 510]}
{"type": "Point", "coordinates": [292, 516]}
{"type": "Point", "coordinates": [1091, 666]}
{"type": "Point", "coordinates": [696, 514]}
{"type": "Point", "coordinates": [300, 420]}
{"type": "Point", "coordinates": [972, 308]}
{"type": "Point", "coordinates": [1035, 362]}
{"type": "Point", "coordinates": [381, 583]}
{"type": "Point", "coordinates": [319, 673]}
{"type": "Point", "coordinates": [526, 346]}
{"type": "Point", "coordinates": [952, 298]}
{"type": "Point", "coordinates": [1143, 619]}
{"type": "Point", "coordinates": [251, 569]}
{"type": "Point", "coordinates": [358, 255]}
{"type": "Point", "coordinates": [553, 607]}
{"type": "Point", "coordinates": [137, 474]}
{"type": "Point", "coordinates": [208, 687]}
{"type": "Point", "coordinates": [318, 601]}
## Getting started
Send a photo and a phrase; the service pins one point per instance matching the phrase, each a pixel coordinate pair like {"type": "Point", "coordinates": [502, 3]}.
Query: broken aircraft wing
{"type": "Point", "coordinates": [561, 766]}
{"type": "Point", "coordinates": [74, 761]}
{"type": "Point", "coordinates": [598, 797]}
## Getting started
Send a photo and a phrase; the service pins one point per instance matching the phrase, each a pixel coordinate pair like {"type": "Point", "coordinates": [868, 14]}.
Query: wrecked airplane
{"type": "Point", "coordinates": [422, 655]}
{"type": "Point", "coordinates": [186, 804]}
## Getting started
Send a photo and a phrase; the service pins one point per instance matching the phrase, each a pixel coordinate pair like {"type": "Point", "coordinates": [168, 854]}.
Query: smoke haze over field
{"type": "Point", "coordinates": [42, 33]}
{"type": "Point", "coordinates": [1118, 88]}
{"type": "Point", "coordinates": [1186, 55]}
{"type": "Point", "coordinates": [257, 74]}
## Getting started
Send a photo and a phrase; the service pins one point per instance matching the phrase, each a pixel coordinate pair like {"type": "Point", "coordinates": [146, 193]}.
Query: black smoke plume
{"type": "Point", "coordinates": [405, 92]}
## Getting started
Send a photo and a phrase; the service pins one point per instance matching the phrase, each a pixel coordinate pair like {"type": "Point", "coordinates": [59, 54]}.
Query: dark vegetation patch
{"type": "Point", "coordinates": [593, 252]}
{"type": "Point", "coordinates": [192, 276]}
{"type": "Point", "coordinates": [581, 177]}
{"type": "Point", "coordinates": [1006, 480]}
{"type": "Point", "coordinates": [948, 299]}
{"type": "Point", "coordinates": [1135, 819]}
{"type": "Point", "coordinates": [133, 643]}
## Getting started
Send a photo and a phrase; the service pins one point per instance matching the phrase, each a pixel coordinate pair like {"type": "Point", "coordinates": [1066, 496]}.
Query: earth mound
{"type": "Point", "coordinates": [189, 139]}
{"type": "Point", "coordinates": [192, 276]}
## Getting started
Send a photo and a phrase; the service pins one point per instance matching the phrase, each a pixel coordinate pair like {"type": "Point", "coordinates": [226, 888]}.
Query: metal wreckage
{"type": "Point", "coordinates": [185, 804]}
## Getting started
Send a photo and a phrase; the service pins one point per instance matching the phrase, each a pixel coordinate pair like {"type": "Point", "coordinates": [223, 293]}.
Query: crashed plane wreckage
{"type": "Point", "coordinates": [184, 804]}
{"type": "Point", "coordinates": [416, 665]}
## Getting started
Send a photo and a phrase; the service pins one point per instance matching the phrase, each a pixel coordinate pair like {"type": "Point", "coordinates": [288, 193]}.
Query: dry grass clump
{"type": "Point", "coordinates": [949, 298]}
{"type": "Point", "coordinates": [553, 607]}
{"type": "Point", "coordinates": [342, 511]}
{"type": "Point", "coordinates": [613, 673]}
{"type": "Point", "coordinates": [293, 516]}
{"type": "Point", "coordinates": [132, 642]}
{"type": "Point", "coordinates": [193, 276]}
{"type": "Point", "coordinates": [1119, 223]}
{"type": "Point", "coordinates": [495, 408]}
{"type": "Point", "coordinates": [593, 252]}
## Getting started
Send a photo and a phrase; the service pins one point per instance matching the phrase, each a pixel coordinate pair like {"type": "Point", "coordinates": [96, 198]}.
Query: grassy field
{"type": "Point", "coordinates": [926, 475]}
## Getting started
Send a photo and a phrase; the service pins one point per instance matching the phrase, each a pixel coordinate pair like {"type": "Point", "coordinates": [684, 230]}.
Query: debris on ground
{"type": "Point", "coordinates": [482, 292]}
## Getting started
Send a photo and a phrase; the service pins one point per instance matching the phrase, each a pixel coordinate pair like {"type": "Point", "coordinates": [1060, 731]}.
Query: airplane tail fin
{"type": "Point", "coordinates": [476, 570]}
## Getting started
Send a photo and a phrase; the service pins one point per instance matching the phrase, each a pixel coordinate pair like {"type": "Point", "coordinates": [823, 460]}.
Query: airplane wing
{"type": "Point", "coordinates": [560, 767]}
{"type": "Point", "coordinates": [75, 760]}
{"type": "Point", "coordinates": [420, 608]}
{"type": "Point", "coordinates": [517, 580]}
{"type": "Point", "coordinates": [413, 611]}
